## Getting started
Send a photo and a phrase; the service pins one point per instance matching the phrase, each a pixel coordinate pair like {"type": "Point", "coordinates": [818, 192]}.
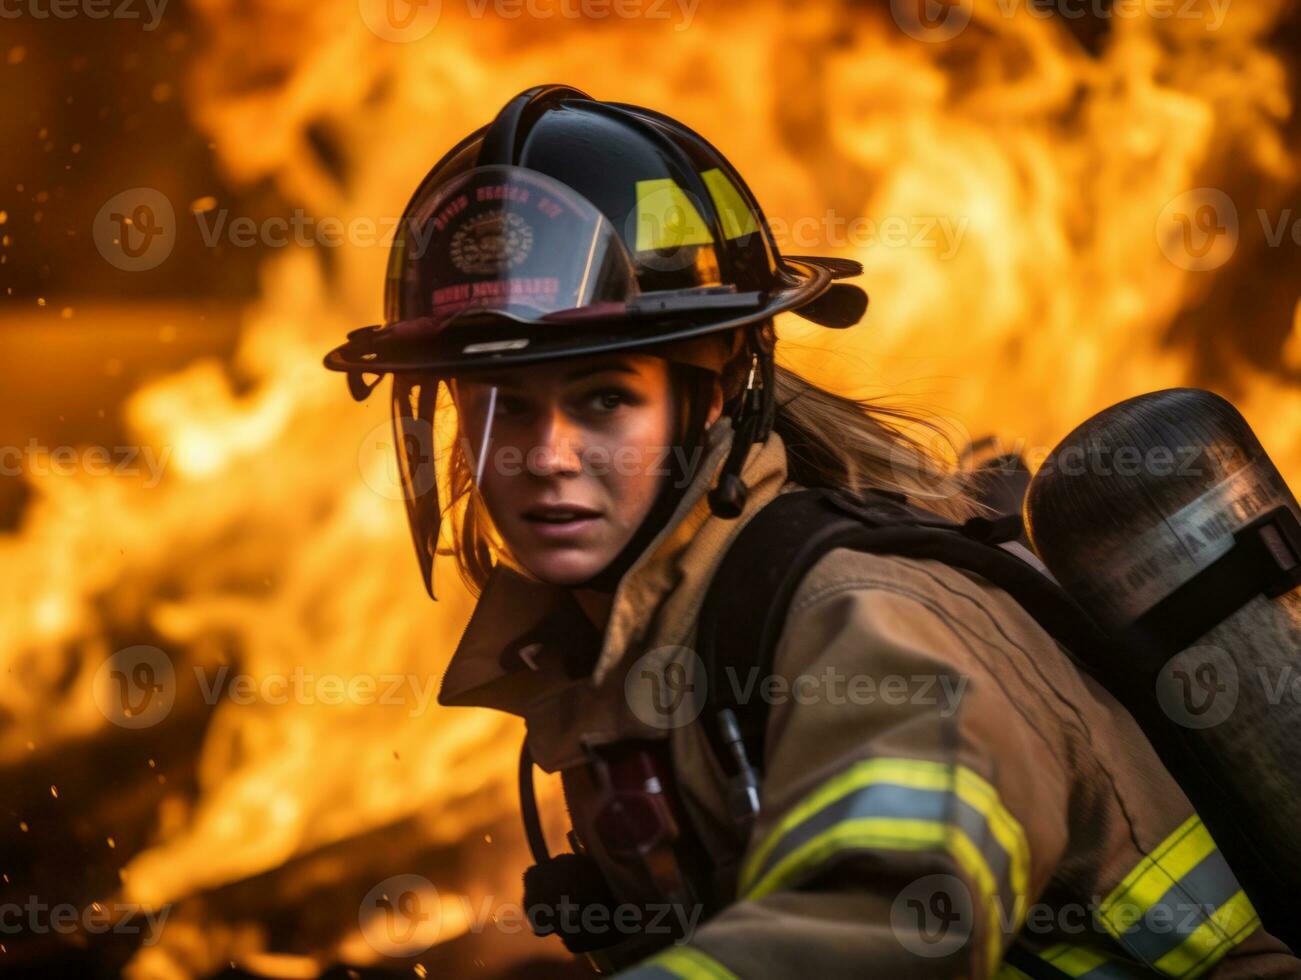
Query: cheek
{"type": "Point", "coordinates": [638, 451]}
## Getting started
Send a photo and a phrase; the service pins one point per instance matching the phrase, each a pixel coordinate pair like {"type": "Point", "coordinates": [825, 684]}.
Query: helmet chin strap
{"type": "Point", "coordinates": [752, 422]}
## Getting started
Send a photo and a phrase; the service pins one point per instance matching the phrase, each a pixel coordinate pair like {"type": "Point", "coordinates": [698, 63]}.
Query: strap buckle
{"type": "Point", "coordinates": [1279, 532]}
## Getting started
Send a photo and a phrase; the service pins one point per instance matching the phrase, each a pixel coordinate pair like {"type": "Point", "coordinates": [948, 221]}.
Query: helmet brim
{"type": "Point", "coordinates": [501, 340]}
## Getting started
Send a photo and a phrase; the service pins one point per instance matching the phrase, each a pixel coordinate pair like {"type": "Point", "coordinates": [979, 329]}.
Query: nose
{"type": "Point", "coordinates": [558, 450]}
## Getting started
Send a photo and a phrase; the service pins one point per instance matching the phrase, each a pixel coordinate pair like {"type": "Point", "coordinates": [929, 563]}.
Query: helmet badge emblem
{"type": "Point", "coordinates": [491, 243]}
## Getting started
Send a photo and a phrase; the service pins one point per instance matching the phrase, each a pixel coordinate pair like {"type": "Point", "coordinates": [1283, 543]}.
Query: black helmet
{"type": "Point", "coordinates": [567, 227]}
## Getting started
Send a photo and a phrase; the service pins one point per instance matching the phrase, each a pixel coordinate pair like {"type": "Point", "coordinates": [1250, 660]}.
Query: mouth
{"type": "Point", "coordinates": [561, 520]}
{"type": "Point", "coordinates": [559, 513]}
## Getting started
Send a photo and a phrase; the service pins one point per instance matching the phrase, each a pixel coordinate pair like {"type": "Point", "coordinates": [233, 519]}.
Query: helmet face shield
{"type": "Point", "coordinates": [502, 243]}
{"type": "Point", "coordinates": [418, 429]}
{"type": "Point", "coordinates": [414, 401]}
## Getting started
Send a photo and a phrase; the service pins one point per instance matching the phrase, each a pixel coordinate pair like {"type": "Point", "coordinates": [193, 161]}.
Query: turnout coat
{"type": "Point", "coordinates": [942, 784]}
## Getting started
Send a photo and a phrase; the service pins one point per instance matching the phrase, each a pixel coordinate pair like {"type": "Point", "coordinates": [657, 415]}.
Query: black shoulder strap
{"type": "Point", "coordinates": [745, 607]}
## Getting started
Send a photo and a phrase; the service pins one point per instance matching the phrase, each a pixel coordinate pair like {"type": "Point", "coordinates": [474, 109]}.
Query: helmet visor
{"type": "Point", "coordinates": [503, 242]}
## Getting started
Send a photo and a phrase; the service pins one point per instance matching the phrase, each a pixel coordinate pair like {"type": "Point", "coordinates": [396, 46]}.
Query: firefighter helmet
{"type": "Point", "coordinates": [570, 226]}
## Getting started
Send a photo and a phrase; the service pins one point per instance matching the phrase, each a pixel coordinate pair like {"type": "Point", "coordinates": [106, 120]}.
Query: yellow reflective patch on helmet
{"type": "Point", "coordinates": [738, 219]}
{"type": "Point", "coordinates": [666, 218]}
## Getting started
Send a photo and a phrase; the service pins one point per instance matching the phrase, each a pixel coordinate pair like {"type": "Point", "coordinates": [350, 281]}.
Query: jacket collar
{"type": "Point", "coordinates": [527, 638]}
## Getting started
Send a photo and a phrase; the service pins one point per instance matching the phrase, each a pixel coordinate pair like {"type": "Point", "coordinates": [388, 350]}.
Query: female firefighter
{"type": "Point", "coordinates": [938, 790]}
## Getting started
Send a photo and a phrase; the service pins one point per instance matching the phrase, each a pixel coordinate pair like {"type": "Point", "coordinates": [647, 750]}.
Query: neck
{"type": "Point", "coordinates": [596, 605]}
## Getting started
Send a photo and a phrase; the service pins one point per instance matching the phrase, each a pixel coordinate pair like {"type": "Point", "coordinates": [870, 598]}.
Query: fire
{"type": "Point", "coordinates": [1005, 191]}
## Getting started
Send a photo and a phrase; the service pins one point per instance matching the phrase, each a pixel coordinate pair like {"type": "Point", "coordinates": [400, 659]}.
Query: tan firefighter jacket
{"type": "Point", "coordinates": [940, 778]}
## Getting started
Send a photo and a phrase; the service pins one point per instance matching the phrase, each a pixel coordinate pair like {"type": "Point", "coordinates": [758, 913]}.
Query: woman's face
{"type": "Point", "coordinates": [577, 453]}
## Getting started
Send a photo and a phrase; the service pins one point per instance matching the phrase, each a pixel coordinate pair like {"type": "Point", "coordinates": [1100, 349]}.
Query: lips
{"type": "Point", "coordinates": [562, 524]}
{"type": "Point", "coordinates": [560, 514]}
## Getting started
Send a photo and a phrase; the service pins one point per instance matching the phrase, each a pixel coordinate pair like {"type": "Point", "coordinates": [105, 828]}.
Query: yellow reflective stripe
{"type": "Point", "coordinates": [1152, 877]}
{"type": "Point", "coordinates": [914, 774]}
{"type": "Point", "coordinates": [690, 964]}
{"type": "Point", "coordinates": [899, 833]}
{"type": "Point", "coordinates": [666, 218]}
{"type": "Point", "coordinates": [737, 218]}
{"type": "Point", "coordinates": [890, 834]}
{"type": "Point", "coordinates": [1006, 971]}
{"type": "Point", "coordinates": [1208, 944]}
{"type": "Point", "coordinates": [982, 797]}
{"type": "Point", "coordinates": [901, 772]}
{"type": "Point", "coordinates": [1074, 961]}
{"type": "Point", "coordinates": [974, 864]}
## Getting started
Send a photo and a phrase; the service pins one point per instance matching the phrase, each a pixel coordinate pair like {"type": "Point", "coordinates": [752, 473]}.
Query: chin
{"type": "Point", "coordinates": [564, 569]}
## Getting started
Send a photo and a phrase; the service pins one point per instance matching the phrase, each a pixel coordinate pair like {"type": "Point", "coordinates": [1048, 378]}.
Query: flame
{"type": "Point", "coordinates": [270, 544]}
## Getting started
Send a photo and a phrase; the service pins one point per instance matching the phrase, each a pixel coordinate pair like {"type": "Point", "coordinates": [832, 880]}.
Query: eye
{"type": "Point", "coordinates": [609, 399]}
{"type": "Point", "coordinates": [509, 405]}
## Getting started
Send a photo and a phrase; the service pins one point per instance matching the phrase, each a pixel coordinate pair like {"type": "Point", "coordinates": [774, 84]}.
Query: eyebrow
{"type": "Point", "coordinates": [506, 381]}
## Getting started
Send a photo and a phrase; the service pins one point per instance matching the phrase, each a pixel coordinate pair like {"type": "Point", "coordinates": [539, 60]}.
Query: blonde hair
{"type": "Point", "coordinates": [831, 440]}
